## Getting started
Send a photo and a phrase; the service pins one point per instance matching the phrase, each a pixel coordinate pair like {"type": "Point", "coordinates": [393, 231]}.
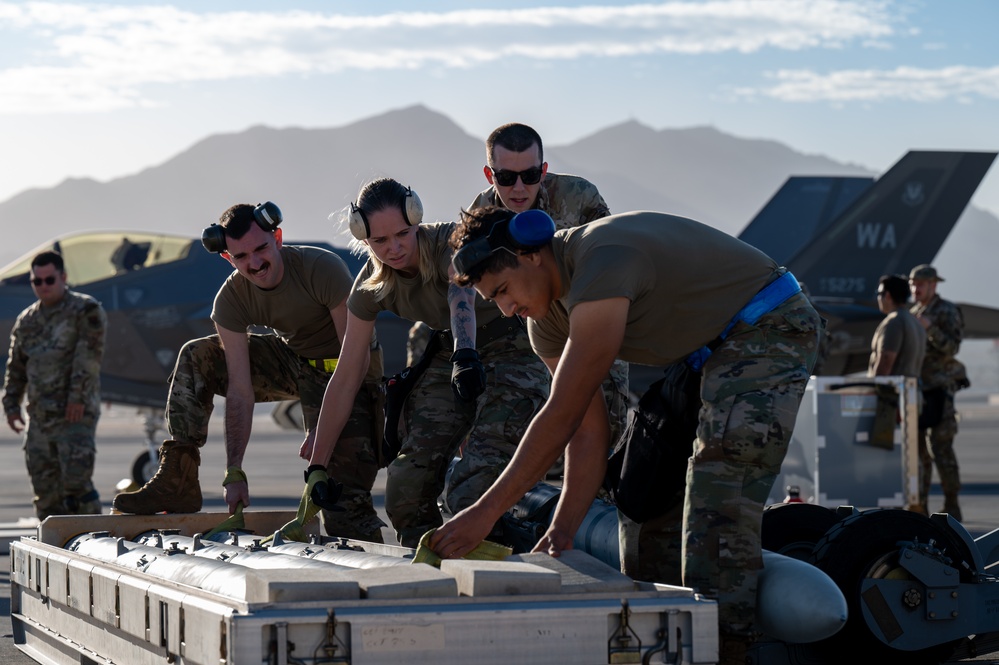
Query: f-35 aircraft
{"type": "Point", "coordinates": [838, 235]}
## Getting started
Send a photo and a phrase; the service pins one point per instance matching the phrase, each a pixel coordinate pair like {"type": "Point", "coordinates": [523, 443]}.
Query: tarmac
{"type": "Point", "coordinates": [275, 472]}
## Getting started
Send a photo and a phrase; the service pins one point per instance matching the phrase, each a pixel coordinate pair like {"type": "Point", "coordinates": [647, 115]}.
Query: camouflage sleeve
{"type": "Point", "coordinates": [91, 323]}
{"type": "Point", "coordinates": [944, 333]}
{"type": "Point", "coordinates": [16, 377]}
{"type": "Point", "coordinates": [484, 199]}
{"type": "Point", "coordinates": [595, 207]}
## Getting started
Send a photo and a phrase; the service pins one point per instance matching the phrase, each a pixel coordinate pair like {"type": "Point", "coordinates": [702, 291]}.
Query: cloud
{"type": "Point", "coordinates": [909, 84]}
{"type": "Point", "coordinates": [103, 57]}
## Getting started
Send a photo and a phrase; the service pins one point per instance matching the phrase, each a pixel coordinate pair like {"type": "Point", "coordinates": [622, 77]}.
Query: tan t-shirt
{"type": "Point", "coordinates": [298, 309]}
{"type": "Point", "coordinates": [685, 281]}
{"type": "Point", "coordinates": [411, 298]}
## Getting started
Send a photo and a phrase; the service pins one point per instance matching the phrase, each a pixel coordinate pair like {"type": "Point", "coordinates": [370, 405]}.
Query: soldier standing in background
{"type": "Point", "coordinates": [56, 347]}
{"type": "Point", "coordinates": [899, 343]}
{"type": "Point", "coordinates": [942, 376]}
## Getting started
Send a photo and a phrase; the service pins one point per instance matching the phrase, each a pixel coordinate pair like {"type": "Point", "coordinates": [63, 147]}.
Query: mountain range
{"type": "Point", "coordinates": [699, 172]}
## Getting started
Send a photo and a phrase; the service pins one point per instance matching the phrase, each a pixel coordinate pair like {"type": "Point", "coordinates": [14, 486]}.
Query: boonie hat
{"type": "Point", "coordinates": [925, 271]}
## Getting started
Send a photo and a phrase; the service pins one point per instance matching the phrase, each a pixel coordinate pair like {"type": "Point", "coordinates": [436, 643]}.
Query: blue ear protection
{"type": "Point", "coordinates": [267, 216]}
{"type": "Point", "coordinates": [412, 212]}
{"type": "Point", "coordinates": [524, 231]}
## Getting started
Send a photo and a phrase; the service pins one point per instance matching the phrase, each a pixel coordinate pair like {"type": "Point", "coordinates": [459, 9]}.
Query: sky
{"type": "Point", "coordinates": [103, 90]}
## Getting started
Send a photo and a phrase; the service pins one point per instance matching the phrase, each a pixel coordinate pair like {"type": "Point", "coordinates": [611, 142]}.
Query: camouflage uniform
{"type": "Point", "coordinates": [55, 355]}
{"type": "Point", "coordinates": [278, 374]}
{"type": "Point", "coordinates": [941, 373]}
{"type": "Point", "coordinates": [573, 201]}
{"type": "Point", "coordinates": [750, 392]}
{"type": "Point", "coordinates": [487, 432]}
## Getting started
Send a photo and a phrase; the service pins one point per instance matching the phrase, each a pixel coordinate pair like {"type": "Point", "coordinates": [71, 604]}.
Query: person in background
{"type": "Point", "coordinates": [56, 347]}
{"type": "Point", "coordinates": [942, 375]}
{"type": "Point", "coordinates": [899, 342]}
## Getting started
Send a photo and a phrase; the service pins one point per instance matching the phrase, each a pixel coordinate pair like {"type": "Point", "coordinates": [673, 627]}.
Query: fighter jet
{"type": "Point", "coordinates": [838, 235]}
{"type": "Point", "coordinates": [157, 290]}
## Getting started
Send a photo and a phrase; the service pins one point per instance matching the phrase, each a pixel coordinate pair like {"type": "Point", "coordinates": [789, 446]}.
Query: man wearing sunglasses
{"type": "Point", "coordinates": [519, 180]}
{"type": "Point", "coordinates": [56, 347]}
{"type": "Point", "coordinates": [899, 342]}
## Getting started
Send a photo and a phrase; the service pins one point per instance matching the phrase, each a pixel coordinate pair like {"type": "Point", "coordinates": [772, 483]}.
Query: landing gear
{"type": "Point", "coordinates": [147, 462]}
{"type": "Point", "coordinates": [144, 467]}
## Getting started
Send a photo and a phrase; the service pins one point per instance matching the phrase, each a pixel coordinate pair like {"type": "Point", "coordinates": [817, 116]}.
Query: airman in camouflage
{"type": "Point", "coordinates": [300, 293]}
{"type": "Point", "coordinates": [516, 151]}
{"type": "Point", "coordinates": [56, 347]}
{"type": "Point", "coordinates": [942, 375]}
{"type": "Point", "coordinates": [482, 383]}
{"type": "Point", "coordinates": [636, 286]}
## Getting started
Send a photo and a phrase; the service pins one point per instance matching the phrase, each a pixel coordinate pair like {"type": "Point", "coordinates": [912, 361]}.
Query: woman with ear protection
{"type": "Point", "coordinates": [481, 386]}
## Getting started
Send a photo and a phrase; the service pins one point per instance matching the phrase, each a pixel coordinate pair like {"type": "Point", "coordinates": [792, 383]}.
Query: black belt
{"type": "Point", "coordinates": [501, 326]}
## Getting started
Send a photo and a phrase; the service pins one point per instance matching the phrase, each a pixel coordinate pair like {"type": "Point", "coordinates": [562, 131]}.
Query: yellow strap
{"type": "Point", "coordinates": [233, 474]}
{"type": "Point", "coordinates": [484, 551]}
{"type": "Point", "coordinates": [232, 523]}
{"type": "Point", "coordinates": [325, 364]}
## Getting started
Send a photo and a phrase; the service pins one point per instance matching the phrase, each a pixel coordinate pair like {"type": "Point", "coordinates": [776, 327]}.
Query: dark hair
{"type": "Point", "coordinates": [237, 220]}
{"type": "Point", "coordinates": [479, 223]}
{"type": "Point", "coordinates": [897, 287]}
{"type": "Point", "coordinates": [49, 258]}
{"type": "Point", "coordinates": [515, 137]}
{"type": "Point", "coordinates": [380, 194]}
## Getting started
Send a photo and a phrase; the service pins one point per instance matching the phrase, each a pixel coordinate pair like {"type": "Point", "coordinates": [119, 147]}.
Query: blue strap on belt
{"type": "Point", "coordinates": [768, 298]}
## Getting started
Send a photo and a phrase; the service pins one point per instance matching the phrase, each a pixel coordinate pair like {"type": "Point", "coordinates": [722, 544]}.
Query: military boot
{"type": "Point", "coordinates": [951, 506]}
{"type": "Point", "coordinates": [174, 488]}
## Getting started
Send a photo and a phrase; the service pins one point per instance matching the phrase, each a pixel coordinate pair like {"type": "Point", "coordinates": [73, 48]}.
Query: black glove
{"type": "Point", "coordinates": [325, 491]}
{"type": "Point", "coordinates": [468, 378]}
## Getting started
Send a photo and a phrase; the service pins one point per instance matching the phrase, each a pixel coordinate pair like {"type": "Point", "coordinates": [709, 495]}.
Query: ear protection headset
{"type": "Point", "coordinates": [266, 215]}
{"type": "Point", "coordinates": [524, 231]}
{"type": "Point", "coordinates": [412, 212]}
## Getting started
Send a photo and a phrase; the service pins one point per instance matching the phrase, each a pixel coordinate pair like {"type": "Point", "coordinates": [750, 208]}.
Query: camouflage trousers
{"type": "Point", "coordinates": [617, 393]}
{"type": "Point", "coordinates": [936, 448]}
{"type": "Point", "coordinates": [278, 374]}
{"type": "Point", "coordinates": [750, 392]}
{"type": "Point", "coordinates": [487, 433]}
{"type": "Point", "coordinates": [60, 460]}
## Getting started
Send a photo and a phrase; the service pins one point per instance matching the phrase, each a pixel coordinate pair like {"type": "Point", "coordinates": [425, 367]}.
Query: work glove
{"type": "Point", "coordinates": [468, 377]}
{"type": "Point", "coordinates": [307, 508]}
{"type": "Point", "coordinates": [325, 491]}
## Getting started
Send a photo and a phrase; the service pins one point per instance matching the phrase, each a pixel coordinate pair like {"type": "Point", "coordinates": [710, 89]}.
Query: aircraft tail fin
{"type": "Point", "coordinates": [899, 221]}
{"type": "Point", "coordinates": [803, 207]}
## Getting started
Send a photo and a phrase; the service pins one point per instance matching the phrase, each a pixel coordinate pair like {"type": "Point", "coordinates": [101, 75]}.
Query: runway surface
{"type": "Point", "coordinates": [275, 476]}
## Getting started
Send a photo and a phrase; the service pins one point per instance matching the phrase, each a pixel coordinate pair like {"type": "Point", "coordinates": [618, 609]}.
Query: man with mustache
{"type": "Point", "coordinates": [299, 293]}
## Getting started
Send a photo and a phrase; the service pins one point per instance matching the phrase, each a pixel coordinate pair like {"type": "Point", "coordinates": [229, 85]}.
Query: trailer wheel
{"type": "Point", "coordinates": [144, 468]}
{"type": "Point", "coordinates": [792, 529]}
{"type": "Point", "coordinates": [864, 546]}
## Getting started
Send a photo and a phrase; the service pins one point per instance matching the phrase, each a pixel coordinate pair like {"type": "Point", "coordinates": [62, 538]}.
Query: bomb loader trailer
{"type": "Point", "coordinates": [87, 591]}
{"type": "Point", "coordinates": [919, 589]}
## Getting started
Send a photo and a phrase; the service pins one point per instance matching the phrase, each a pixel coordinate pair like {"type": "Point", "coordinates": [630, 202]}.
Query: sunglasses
{"type": "Point", "coordinates": [507, 178]}
{"type": "Point", "coordinates": [38, 281]}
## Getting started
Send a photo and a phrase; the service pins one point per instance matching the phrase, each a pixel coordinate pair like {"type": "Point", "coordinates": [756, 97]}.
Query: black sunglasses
{"type": "Point", "coordinates": [38, 281]}
{"type": "Point", "coordinates": [506, 178]}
